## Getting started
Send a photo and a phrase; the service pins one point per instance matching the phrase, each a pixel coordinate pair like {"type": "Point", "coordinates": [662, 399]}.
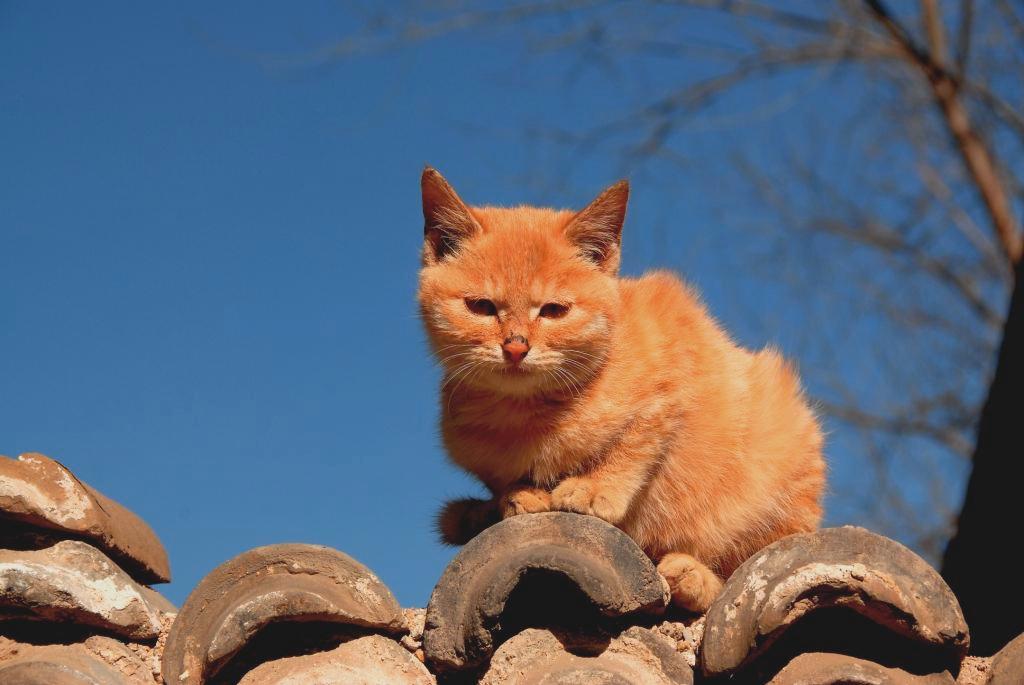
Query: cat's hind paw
{"type": "Point", "coordinates": [461, 520]}
{"type": "Point", "coordinates": [524, 500]}
{"type": "Point", "coordinates": [583, 496]}
{"type": "Point", "coordinates": [694, 586]}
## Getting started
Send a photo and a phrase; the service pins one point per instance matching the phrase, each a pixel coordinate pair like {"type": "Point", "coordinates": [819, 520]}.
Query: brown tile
{"type": "Point", "coordinates": [545, 569]}
{"type": "Point", "coordinates": [41, 498]}
{"type": "Point", "coordinates": [291, 588]}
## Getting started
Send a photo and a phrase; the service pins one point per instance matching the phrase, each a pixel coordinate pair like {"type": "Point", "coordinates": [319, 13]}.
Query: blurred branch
{"type": "Point", "coordinates": [963, 222]}
{"type": "Point", "coordinates": [1009, 114]}
{"type": "Point", "coordinates": [774, 15]}
{"type": "Point", "coordinates": [876, 234]}
{"type": "Point", "coordinates": [870, 230]}
{"type": "Point", "coordinates": [976, 156]}
{"type": "Point", "coordinates": [931, 17]}
{"type": "Point", "coordinates": [386, 33]}
{"type": "Point", "coordinates": [953, 438]}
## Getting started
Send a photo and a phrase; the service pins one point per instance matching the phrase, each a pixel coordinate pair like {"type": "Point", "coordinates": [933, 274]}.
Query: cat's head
{"type": "Point", "coordinates": [520, 300]}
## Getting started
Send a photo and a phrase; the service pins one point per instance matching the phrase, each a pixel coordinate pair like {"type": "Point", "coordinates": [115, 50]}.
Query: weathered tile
{"type": "Point", "coordinates": [589, 556]}
{"type": "Point", "coordinates": [40, 497]}
{"type": "Point", "coordinates": [848, 568]}
{"type": "Point", "coordinates": [73, 582]}
{"type": "Point", "coordinates": [292, 583]}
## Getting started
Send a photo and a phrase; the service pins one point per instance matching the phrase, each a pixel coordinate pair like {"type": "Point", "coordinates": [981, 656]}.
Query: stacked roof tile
{"type": "Point", "coordinates": [74, 604]}
{"type": "Point", "coordinates": [552, 599]}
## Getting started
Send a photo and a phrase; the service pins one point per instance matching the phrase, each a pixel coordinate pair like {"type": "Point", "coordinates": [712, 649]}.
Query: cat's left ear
{"type": "Point", "coordinates": [447, 220]}
{"type": "Point", "coordinates": [597, 229]}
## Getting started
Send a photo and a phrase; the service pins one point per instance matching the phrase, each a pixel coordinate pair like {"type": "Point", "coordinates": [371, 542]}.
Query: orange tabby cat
{"type": "Point", "coordinates": [569, 388]}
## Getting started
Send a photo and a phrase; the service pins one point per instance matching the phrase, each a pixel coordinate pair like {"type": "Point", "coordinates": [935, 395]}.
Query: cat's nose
{"type": "Point", "coordinates": [515, 348]}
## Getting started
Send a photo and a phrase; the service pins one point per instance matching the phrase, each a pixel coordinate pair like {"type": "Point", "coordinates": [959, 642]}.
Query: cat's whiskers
{"type": "Point", "coordinates": [457, 344]}
{"type": "Point", "coordinates": [573, 390]}
{"type": "Point", "coordinates": [438, 351]}
{"type": "Point", "coordinates": [575, 381]}
{"type": "Point", "coordinates": [578, 365]}
{"type": "Point", "coordinates": [550, 372]}
{"type": "Point", "coordinates": [461, 350]}
{"type": "Point", "coordinates": [600, 359]}
{"type": "Point", "coordinates": [589, 364]}
{"type": "Point", "coordinates": [455, 374]}
{"type": "Point", "coordinates": [476, 366]}
{"type": "Point", "coordinates": [442, 362]}
{"type": "Point", "coordinates": [561, 373]}
{"type": "Point", "coordinates": [579, 372]}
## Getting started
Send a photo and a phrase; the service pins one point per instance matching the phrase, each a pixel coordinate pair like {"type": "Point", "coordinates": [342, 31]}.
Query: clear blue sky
{"type": "Point", "coordinates": [209, 266]}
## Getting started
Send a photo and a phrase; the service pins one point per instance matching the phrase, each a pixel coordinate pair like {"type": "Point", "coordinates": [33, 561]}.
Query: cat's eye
{"type": "Point", "coordinates": [554, 310]}
{"type": "Point", "coordinates": [481, 307]}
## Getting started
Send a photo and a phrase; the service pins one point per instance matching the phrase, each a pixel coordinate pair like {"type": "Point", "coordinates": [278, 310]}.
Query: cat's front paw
{"type": "Point", "coordinates": [694, 586]}
{"type": "Point", "coordinates": [585, 496]}
{"type": "Point", "coordinates": [524, 500]}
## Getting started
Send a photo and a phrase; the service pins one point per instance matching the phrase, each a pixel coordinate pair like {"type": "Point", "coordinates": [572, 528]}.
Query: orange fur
{"type": "Point", "coordinates": [634, 406]}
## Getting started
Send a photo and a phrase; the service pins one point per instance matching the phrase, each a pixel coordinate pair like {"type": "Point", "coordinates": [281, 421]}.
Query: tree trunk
{"type": "Point", "coordinates": [979, 563]}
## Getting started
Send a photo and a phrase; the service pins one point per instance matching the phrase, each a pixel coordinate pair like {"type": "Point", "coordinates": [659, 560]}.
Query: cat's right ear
{"type": "Point", "coordinates": [447, 220]}
{"type": "Point", "coordinates": [596, 230]}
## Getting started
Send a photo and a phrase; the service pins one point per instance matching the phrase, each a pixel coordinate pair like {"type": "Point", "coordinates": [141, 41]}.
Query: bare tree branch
{"type": "Point", "coordinates": [976, 155]}
{"type": "Point", "coordinates": [954, 440]}
{"type": "Point", "coordinates": [931, 17]}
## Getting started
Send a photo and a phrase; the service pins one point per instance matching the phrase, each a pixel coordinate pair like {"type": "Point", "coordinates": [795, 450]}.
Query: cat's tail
{"type": "Point", "coordinates": [461, 520]}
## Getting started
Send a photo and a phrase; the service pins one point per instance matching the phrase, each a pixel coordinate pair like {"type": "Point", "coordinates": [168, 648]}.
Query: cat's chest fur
{"type": "Point", "coordinates": [539, 439]}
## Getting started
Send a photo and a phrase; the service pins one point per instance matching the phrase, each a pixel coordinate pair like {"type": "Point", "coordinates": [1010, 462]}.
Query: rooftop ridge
{"type": "Point", "coordinates": [553, 598]}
